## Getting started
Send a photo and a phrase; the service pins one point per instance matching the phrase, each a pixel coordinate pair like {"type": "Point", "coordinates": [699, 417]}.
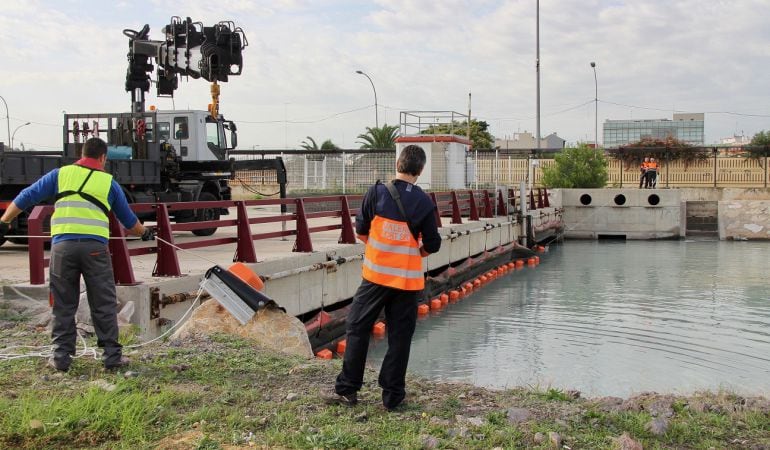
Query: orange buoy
{"type": "Point", "coordinates": [444, 299]}
{"type": "Point", "coordinates": [531, 261]}
{"type": "Point", "coordinates": [511, 265]}
{"type": "Point", "coordinates": [324, 354]}
{"type": "Point", "coordinates": [247, 275]}
{"type": "Point", "coordinates": [463, 292]}
{"type": "Point", "coordinates": [423, 309]}
{"type": "Point", "coordinates": [477, 283]}
{"type": "Point", "coordinates": [341, 346]}
{"type": "Point", "coordinates": [537, 260]}
{"type": "Point", "coordinates": [519, 263]}
{"type": "Point", "coordinates": [454, 295]}
{"type": "Point", "coordinates": [483, 279]}
{"type": "Point", "coordinates": [469, 287]}
{"type": "Point", "coordinates": [378, 329]}
{"type": "Point", "coordinates": [435, 304]}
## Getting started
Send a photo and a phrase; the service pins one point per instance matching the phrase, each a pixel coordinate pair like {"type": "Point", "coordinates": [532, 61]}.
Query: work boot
{"type": "Point", "coordinates": [123, 362]}
{"type": "Point", "coordinates": [331, 397]}
{"type": "Point", "coordinates": [59, 367]}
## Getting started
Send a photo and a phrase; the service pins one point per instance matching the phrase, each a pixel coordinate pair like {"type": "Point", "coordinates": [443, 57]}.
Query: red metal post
{"type": "Point", "coordinates": [501, 204]}
{"type": "Point", "coordinates": [36, 250]}
{"type": "Point", "coordinates": [474, 215]}
{"type": "Point", "coordinates": [487, 205]}
{"type": "Point", "coordinates": [167, 263]}
{"type": "Point", "coordinates": [531, 200]}
{"type": "Point", "coordinates": [244, 251]}
{"type": "Point", "coordinates": [456, 216]}
{"type": "Point", "coordinates": [122, 271]}
{"type": "Point", "coordinates": [348, 236]}
{"type": "Point", "coordinates": [436, 212]}
{"type": "Point", "coordinates": [303, 242]}
{"type": "Point", "coordinates": [539, 198]}
{"type": "Point", "coordinates": [546, 202]}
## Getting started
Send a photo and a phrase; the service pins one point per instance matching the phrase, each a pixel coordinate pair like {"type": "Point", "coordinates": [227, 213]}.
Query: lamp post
{"type": "Point", "coordinates": [17, 129]}
{"type": "Point", "coordinates": [7, 117]}
{"type": "Point", "coordinates": [376, 109]}
{"type": "Point", "coordinates": [596, 107]}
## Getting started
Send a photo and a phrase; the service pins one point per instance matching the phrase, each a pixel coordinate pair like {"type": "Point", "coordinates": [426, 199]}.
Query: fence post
{"type": "Point", "coordinates": [436, 212]}
{"type": "Point", "coordinates": [714, 150]}
{"type": "Point", "coordinates": [501, 211]}
{"type": "Point", "coordinates": [474, 214]}
{"type": "Point", "coordinates": [347, 236]}
{"type": "Point", "coordinates": [36, 250]}
{"type": "Point", "coordinates": [303, 242]}
{"type": "Point", "coordinates": [122, 270]}
{"type": "Point", "coordinates": [487, 204]}
{"type": "Point", "coordinates": [343, 173]}
{"type": "Point", "coordinates": [244, 251]}
{"type": "Point", "coordinates": [456, 216]}
{"type": "Point", "coordinates": [167, 262]}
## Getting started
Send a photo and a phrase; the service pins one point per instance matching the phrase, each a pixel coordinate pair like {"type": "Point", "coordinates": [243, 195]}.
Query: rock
{"type": "Point", "coordinates": [562, 423]}
{"type": "Point", "coordinates": [104, 385]}
{"type": "Point", "coordinates": [270, 327]}
{"type": "Point", "coordinates": [626, 442]}
{"type": "Point", "coordinates": [539, 438]}
{"type": "Point", "coordinates": [429, 442]}
{"type": "Point", "coordinates": [555, 439]}
{"type": "Point", "coordinates": [130, 374]}
{"type": "Point", "coordinates": [661, 407]}
{"type": "Point", "coordinates": [458, 432]}
{"type": "Point", "coordinates": [36, 425]}
{"type": "Point", "coordinates": [476, 421]}
{"type": "Point", "coordinates": [291, 396]}
{"type": "Point", "coordinates": [609, 404]}
{"type": "Point", "coordinates": [439, 421]}
{"type": "Point", "coordinates": [518, 415]}
{"type": "Point", "coordinates": [178, 367]}
{"type": "Point", "coordinates": [657, 426]}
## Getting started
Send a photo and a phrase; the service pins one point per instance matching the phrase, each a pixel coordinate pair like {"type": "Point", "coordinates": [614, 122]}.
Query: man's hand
{"type": "Point", "coordinates": [5, 227]}
{"type": "Point", "coordinates": [149, 234]}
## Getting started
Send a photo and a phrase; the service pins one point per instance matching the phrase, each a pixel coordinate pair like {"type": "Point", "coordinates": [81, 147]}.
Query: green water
{"type": "Point", "coordinates": [611, 318]}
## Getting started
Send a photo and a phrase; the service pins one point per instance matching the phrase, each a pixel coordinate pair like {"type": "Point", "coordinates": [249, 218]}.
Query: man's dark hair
{"type": "Point", "coordinates": [411, 161]}
{"type": "Point", "coordinates": [94, 148]}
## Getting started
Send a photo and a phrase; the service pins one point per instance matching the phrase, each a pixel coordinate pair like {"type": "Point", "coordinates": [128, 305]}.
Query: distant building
{"type": "Point", "coordinates": [684, 127]}
{"type": "Point", "coordinates": [736, 141]}
{"type": "Point", "coordinates": [527, 141]}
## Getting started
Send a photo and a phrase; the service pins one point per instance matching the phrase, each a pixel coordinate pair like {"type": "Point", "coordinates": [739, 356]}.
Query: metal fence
{"type": "Point", "coordinates": [353, 171]}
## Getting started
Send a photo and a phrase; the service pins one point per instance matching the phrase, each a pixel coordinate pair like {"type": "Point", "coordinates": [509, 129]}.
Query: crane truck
{"type": "Point", "coordinates": [156, 156]}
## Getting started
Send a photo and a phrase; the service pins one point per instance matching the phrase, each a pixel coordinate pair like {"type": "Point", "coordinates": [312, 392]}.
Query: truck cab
{"type": "Point", "coordinates": [196, 135]}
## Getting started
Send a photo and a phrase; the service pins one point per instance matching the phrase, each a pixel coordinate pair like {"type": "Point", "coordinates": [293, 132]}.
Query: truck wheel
{"type": "Point", "coordinates": [206, 214]}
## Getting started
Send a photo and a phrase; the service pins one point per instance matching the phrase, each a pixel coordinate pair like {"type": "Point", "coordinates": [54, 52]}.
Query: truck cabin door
{"type": "Point", "coordinates": [180, 137]}
{"type": "Point", "coordinates": [216, 141]}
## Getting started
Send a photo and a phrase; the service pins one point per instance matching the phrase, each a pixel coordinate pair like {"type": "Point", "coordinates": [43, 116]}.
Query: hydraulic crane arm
{"type": "Point", "coordinates": [190, 49]}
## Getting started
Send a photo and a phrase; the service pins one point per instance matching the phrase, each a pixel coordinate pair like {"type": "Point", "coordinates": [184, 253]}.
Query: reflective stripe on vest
{"type": "Point", "coordinates": [392, 256]}
{"type": "Point", "coordinates": [75, 215]}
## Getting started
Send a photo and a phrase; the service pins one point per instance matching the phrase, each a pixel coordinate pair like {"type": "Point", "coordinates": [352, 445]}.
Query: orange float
{"type": "Point", "coordinates": [324, 354]}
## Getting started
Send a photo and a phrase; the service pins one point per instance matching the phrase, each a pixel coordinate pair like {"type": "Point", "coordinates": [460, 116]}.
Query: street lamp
{"type": "Point", "coordinates": [376, 112]}
{"type": "Point", "coordinates": [7, 117]}
{"type": "Point", "coordinates": [596, 107]}
{"type": "Point", "coordinates": [17, 129]}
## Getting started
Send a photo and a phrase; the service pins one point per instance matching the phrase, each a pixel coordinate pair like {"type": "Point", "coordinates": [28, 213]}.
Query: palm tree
{"type": "Point", "coordinates": [309, 146]}
{"type": "Point", "coordinates": [383, 138]}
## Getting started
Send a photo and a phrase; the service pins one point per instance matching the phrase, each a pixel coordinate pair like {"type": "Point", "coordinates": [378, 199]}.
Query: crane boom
{"type": "Point", "coordinates": [190, 49]}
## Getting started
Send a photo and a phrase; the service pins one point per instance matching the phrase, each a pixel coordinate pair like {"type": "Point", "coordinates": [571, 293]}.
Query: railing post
{"type": "Point", "coordinates": [36, 250]}
{"type": "Point", "coordinates": [546, 202]}
{"type": "Point", "coordinates": [303, 242]}
{"type": "Point", "coordinates": [244, 251]}
{"type": "Point", "coordinates": [122, 270]}
{"type": "Point", "coordinates": [456, 216]}
{"type": "Point", "coordinates": [532, 200]}
{"type": "Point", "coordinates": [474, 214]}
{"type": "Point", "coordinates": [167, 262]}
{"type": "Point", "coordinates": [487, 204]}
{"type": "Point", "coordinates": [436, 212]}
{"type": "Point", "coordinates": [714, 150]}
{"type": "Point", "coordinates": [348, 236]}
{"type": "Point", "coordinates": [501, 211]}
{"type": "Point", "coordinates": [539, 199]}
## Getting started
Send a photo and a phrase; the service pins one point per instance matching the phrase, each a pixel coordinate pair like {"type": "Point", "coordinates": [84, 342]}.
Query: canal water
{"type": "Point", "coordinates": [611, 318]}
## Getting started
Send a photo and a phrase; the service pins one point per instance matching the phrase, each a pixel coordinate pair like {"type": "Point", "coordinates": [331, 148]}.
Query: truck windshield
{"type": "Point", "coordinates": [215, 139]}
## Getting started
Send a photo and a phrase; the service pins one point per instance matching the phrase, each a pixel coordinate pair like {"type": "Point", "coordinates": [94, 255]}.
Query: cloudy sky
{"type": "Point", "coordinates": [653, 57]}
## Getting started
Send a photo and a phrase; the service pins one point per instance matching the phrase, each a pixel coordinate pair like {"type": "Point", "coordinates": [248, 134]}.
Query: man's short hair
{"type": "Point", "coordinates": [94, 148]}
{"type": "Point", "coordinates": [411, 161]}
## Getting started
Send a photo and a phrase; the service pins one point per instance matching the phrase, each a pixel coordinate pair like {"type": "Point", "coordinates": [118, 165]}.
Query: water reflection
{"type": "Point", "coordinates": [611, 318]}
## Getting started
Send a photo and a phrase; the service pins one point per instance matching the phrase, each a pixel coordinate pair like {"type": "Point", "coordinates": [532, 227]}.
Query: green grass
{"type": "Point", "coordinates": [224, 392]}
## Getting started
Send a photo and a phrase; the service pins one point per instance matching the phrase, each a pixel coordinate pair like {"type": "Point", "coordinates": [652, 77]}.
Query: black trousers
{"type": "Point", "coordinates": [69, 261]}
{"type": "Point", "coordinates": [401, 317]}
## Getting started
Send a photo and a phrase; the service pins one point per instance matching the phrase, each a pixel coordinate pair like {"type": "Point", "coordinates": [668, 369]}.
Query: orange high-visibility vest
{"type": "Point", "coordinates": [653, 165]}
{"type": "Point", "coordinates": [392, 256]}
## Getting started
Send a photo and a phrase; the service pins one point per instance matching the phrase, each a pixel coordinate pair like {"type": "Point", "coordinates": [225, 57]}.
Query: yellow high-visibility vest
{"type": "Point", "coordinates": [82, 205]}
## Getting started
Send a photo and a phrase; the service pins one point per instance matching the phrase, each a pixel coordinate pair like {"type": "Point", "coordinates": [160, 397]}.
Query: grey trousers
{"type": "Point", "coordinates": [91, 259]}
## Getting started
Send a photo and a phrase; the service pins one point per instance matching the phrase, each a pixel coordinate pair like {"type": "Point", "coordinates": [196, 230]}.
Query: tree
{"type": "Point", "coordinates": [383, 138]}
{"type": "Point", "coordinates": [480, 136]}
{"type": "Point", "coordinates": [312, 145]}
{"type": "Point", "coordinates": [668, 149]}
{"type": "Point", "coordinates": [578, 167]}
{"type": "Point", "coordinates": [758, 147]}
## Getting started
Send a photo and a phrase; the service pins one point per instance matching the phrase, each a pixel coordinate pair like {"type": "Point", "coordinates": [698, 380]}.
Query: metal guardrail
{"type": "Point", "coordinates": [455, 204]}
